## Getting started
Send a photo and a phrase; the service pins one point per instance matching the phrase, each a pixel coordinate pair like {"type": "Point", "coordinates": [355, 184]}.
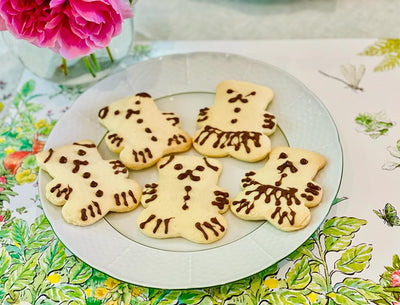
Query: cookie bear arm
{"type": "Point", "coordinates": [114, 141]}
{"type": "Point", "coordinates": [171, 118]}
{"type": "Point", "coordinates": [150, 193]}
{"type": "Point", "coordinates": [312, 194]}
{"type": "Point", "coordinates": [269, 123]}
{"type": "Point", "coordinates": [203, 117]}
{"type": "Point", "coordinates": [118, 168]}
{"type": "Point", "coordinates": [221, 200]}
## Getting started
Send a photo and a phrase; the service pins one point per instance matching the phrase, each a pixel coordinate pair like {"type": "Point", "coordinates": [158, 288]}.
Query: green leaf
{"type": "Point", "coordinates": [286, 297]}
{"type": "Point", "coordinates": [169, 297]}
{"type": "Point", "coordinates": [79, 273]}
{"type": "Point", "coordinates": [318, 283]}
{"type": "Point", "coordinates": [354, 259]}
{"type": "Point", "coordinates": [28, 87]}
{"type": "Point", "coordinates": [5, 261]}
{"type": "Point", "coordinates": [66, 292]}
{"type": "Point", "coordinates": [337, 243]}
{"type": "Point", "coordinates": [347, 296]}
{"type": "Point", "coordinates": [370, 290]}
{"type": "Point", "coordinates": [299, 275]}
{"type": "Point", "coordinates": [40, 239]}
{"type": "Point", "coordinates": [339, 226]}
{"type": "Point", "coordinates": [191, 296]}
{"type": "Point", "coordinates": [396, 262]}
{"type": "Point", "coordinates": [22, 275]}
{"type": "Point", "coordinates": [20, 232]}
{"type": "Point", "coordinates": [53, 258]}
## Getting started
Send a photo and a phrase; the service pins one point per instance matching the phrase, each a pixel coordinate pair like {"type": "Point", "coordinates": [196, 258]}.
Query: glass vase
{"type": "Point", "coordinates": [51, 66]}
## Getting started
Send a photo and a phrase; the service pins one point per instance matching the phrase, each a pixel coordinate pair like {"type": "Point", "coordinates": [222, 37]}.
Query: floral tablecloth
{"type": "Point", "coordinates": [353, 258]}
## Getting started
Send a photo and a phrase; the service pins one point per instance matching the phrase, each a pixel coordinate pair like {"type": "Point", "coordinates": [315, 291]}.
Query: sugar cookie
{"type": "Point", "coordinates": [282, 191]}
{"type": "Point", "coordinates": [237, 124]}
{"type": "Point", "coordinates": [87, 186]}
{"type": "Point", "coordinates": [140, 133]}
{"type": "Point", "coordinates": [186, 201]}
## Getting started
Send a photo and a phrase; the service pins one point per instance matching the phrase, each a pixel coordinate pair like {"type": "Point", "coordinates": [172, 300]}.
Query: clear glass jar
{"type": "Point", "coordinates": [50, 65]}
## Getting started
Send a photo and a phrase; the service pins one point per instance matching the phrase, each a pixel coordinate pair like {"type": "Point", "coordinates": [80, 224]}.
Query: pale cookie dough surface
{"type": "Point", "coordinates": [87, 186]}
{"type": "Point", "coordinates": [140, 133]}
{"type": "Point", "coordinates": [186, 201]}
{"type": "Point", "coordinates": [283, 190]}
{"type": "Point", "coordinates": [237, 124]}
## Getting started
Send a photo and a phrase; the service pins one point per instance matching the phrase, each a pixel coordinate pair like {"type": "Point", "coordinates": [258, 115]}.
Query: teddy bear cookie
{"type": "Point", "coordinates": [237, 124]}
{"type": "Point", "coordinates": [140, 133]}
{"type": "Point", "coordinates": [282, 191]}
{"type": "Point", "coordinates": [87, 186]}
{"type": "Point", "coordinates": [186, 201]}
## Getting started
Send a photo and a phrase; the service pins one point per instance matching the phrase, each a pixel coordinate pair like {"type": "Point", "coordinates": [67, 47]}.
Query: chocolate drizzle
{"type": "Point", "coordinates": [85, 145]}
{"type": "Point", "coordinates": [190, 173]}
{"type": "Point", "coordinates": [63, 160]}
{"type": "Point", "coordinates": [289, 216]}
{"type": "Point", "coordinates": [188, 188]}
{"type": "Point", "coordinates": [287, 164]}
{"type": "Point", "coordinates": [221, 199]}
{"type": "Point", "coordinates": [178, 139]}
{"type": "Point", "coordinates": [159, 221]}
{"type": "Point", "coordinates": [77, 164]}
{"type": "Point", "coordinates": [115, 138]}
{"type": "Point", "coordinates": [203, 114]}
{"type": "Point", "coordinates": [49, 156]}
{"type": "Point", "coordinates": [151, 189]}
{"type": "Point", "coordinates": [208, 225]}
{"type": "Point", "coordinates": [143, 94]}
{"type": "Point", "coordinates": [150, 218]}
{"type": "Point", "coordinates": [174, 119]}
{"type": "Point", "coordinates": [143, 154]}
{"type": "Point", "coordinates": [237, 139]}
{"type": "Point", "coordinates": [103, 112]}
{"type": "Point", "coordinates": [118, 167]}
{"type": "Point", "coordinates": [129, 113]}
{"type": "Point", "coordinates": [214, 168]}
{"type": "Point", "coordinates": [60, 191]}
{"type": "Point", "coordinates": [268, 121]}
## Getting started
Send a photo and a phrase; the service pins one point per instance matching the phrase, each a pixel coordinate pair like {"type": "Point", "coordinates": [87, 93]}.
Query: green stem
{"type": "Point", "coordinates": [94, 61]}
{"type": "Point", "coordinates": [109, 54]}
{"type": "Point", "coordinates": [89, 66]}
{"type": "Point", "coordinates": [64, 66]}
{"type": "Point", "coordinates": [324, 264]}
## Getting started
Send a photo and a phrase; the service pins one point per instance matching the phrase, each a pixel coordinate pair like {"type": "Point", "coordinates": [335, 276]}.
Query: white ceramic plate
{"type": "Point", "coordinates": [184, 83]}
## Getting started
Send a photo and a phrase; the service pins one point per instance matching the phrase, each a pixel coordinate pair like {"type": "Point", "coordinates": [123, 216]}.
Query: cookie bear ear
{"type": "Point", "coordinates": [165, 161]}
{"type": "Point", "coordinates": [213, 164]}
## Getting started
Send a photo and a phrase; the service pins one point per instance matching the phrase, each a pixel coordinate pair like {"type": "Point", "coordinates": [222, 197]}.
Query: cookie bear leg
{"type": "Point", "coordinates": [207, 230]}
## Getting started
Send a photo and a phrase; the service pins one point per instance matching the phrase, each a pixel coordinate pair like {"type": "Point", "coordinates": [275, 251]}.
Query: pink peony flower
{"type": "Point", "coordinates": [1, 189]}
{"type": "Point", "coordinates": [2, 25]}
{"type": "Point", "coordinates": [1, 218]}
{"type": "Point", "coordinates": [3, 179]}
{"type": "Point", "coordinates": [395, 278]}
{"type": "Point", "coordinates": [72, 28]}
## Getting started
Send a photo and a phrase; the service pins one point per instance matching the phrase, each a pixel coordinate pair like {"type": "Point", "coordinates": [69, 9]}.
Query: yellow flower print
{"type": "Point", "coordinates": [88, 292]}
{"type": "Point", "coordinates": [1, 106]}
{"type": "Point", "coordinates": [312, 297]}
{"type": "Point", "coordinates": [111, 283]}
{"type": "Point", "coordinates": [9, 150]}
{"type": "Point", "coordinates": [54, 278]}
{"type": "Point", "coordinates": [112, 302]}
{"type": "Point", "coordinates": [17, 244]}
{"type": "Point", "coordinates": [271, 283]}
{"type": "Point", "coordinates": [41, 123]}
{"type": "Point", "coordinates": [25, 176]}
{"type": "Point", "coordinates": [100, 292]}
{"type": "Point", "coordinates": [2, 139]}
{"type": "Point", "coordinates": [136, 291]}
{"type": "Point", "coordinates": [18, 129]}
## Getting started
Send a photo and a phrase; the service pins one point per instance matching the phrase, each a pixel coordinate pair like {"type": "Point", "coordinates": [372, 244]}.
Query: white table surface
{"type": "Point", "coordinates": [266, 19]}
